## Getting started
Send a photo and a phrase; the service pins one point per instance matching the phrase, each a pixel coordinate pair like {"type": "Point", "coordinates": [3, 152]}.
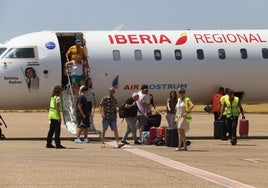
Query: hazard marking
{"type": "Point", "coordinates": [227, 182]}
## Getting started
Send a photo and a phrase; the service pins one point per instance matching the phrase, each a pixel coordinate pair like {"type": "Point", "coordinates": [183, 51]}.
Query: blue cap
{"type": "Point", "coordinates": [78, 41]}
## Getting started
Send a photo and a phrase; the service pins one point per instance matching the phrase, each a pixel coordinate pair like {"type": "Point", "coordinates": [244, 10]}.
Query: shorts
{"type": "Point", "coordinates": [81, 122]}
{"type": "Point", "coordinates": [107, 122]}
{"type": "Point", "coordinates": [142, 121]}
{"type": "Point", "coordinates": [77, 78]}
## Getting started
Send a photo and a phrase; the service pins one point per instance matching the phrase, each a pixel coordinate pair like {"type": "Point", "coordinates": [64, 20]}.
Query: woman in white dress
{"type": "Point", "coordinates": [183, 115]}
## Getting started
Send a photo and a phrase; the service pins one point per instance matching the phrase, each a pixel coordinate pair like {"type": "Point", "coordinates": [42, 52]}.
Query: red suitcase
{"type": "Point", "coordinates": [162, 132]}
{"type": "Point", "coordinates": [153, 134]}
{"type": "Point", "coordinates": [243, 127]}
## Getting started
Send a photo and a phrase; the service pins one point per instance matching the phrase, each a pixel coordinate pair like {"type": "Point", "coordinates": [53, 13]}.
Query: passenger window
{"type": "Point", "coordinates": [116, 55]}
{"type": "Point", "coordinates": [157, 55]}
{"type": "Point", "coordinates": [20, 53]}
{"type": "Point", "coordinates": [200, 54]}
{"type": "Point", "coordinates": [221, 53]}
{"type": "Point", "coordinates": [178, 54]}
{"type": "Point", "coordinates": [243, 53]}
{"type": "Point", "coordinates": [138, 55]}
{"type": "Point", "coordinates": [265, 53]}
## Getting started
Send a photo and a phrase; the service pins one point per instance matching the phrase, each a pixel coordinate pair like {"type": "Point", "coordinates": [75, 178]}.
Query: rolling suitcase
{"type": "Point", "coordinates": [145, 137]}
{"type": "Point", "coordinates": [218, 129]}
{"type": "Point", "coordinates": [243, 127]}
{"type": "Point", "coordinates": [172, 137]}
{"type": "Point", "coordinates": [152, 121]}
{"type": "Point", "coordinates": [153, 134]}
{"type": "Point", "coordinates": [162, 132]}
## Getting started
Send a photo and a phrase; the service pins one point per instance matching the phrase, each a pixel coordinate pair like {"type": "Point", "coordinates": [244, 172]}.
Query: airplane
{"type": "Point", "coordinates": [199, 60]}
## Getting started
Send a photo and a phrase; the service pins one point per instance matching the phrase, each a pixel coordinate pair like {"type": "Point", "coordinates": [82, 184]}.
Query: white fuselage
{"type": "Point", "coordinates": [142, 57]}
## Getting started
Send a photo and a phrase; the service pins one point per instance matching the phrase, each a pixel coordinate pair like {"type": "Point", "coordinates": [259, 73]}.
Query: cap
{"type": "Point", "coordinates": [78, 41]}
{"type": "Point", "coordinates": [83, 88]}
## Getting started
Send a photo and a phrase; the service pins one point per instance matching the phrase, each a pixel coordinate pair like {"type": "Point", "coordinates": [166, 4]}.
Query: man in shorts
{"type": "Point", "coordinates": [108, 110]}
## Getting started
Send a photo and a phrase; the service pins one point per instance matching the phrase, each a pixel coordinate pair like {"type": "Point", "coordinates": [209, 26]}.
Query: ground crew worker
{"type": "Point", "coordinates": [225, 129]}
{"type": "Point", "coordinates": [233, 108]}
{"type": "Point", "coordinates": [216, 103]}
{"type": "Point", "coordinates": [55, 115]}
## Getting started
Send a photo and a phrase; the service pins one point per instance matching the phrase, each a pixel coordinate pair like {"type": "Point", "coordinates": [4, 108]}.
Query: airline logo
{"type": "Point", "coordinates": [182, 39]}
{"type": "Point", "coordinates": [151, 86]}
{"type": "Point", "coordinates": [199, 38]}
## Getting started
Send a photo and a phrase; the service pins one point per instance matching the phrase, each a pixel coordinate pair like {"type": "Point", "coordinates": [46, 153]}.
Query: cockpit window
{"type": "Point", "coordinates": [2, 50]}
{"type": "Point", "coordinates": [20, 53]}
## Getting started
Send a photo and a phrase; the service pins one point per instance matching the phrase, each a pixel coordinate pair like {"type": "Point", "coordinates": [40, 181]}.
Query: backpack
{"type": "Point", "coordinates": [122, 111]}
{"type": "Point", "coordinates": [159, 141]}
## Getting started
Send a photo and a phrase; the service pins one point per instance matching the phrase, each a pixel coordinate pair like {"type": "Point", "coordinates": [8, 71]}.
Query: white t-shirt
{"type": "Point", "coordinates": [77, 69]}
{"type": "Point", "coordinates": [141, 101]}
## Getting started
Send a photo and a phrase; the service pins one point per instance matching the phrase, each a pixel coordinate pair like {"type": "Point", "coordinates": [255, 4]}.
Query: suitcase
{"type": "Point", "coordinates": [145, 137]}
{"type": "Point", "coordinates": [172, 137]}
{"type": "Point", "coordinates": [153, 134]}
{"type": "Point", "coordinates": [162, 132]}
{"type": "Point", "coordinates": [152, 121]}
{"type": "Point", "coordinates": [243, 127]}
{"type": "Point", "coordinates": [218, 129]}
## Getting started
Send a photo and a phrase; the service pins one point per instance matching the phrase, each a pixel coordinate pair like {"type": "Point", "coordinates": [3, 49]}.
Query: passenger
{"type": "Point", "coordinates": [131, 111]}
{"type": "Point", "coordinates": [184, 107]}
{"type": "Point", "coordinates": [171, 108]}
{"type": "Point", "coordinates": [225, 129]}
{"type": "Point", "coordinates": [55, 118]}
{"type": "Point", "coordinates": [152, 106]}
{"type": "Point", "coordinates": [108, 110]}
{"type": "Point", "coordinates": [77, 74]}
{"type": "Point", "coordinates": [82, 115]}
{"type": "Point", "coordinates": [90, 95]}
{"type": "Point", "coordinates": [143, 104]}
{"type": "Point", "coordinates": [216, 103]}
{"type": "Point", "coordinates": [233, 108]}
{"type": "Point", "coordinates": [76, 52]}
{"type": "Point", "coordinates": [32, 80]}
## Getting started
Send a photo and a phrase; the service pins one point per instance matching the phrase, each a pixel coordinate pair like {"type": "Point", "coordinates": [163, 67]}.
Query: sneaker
{"type": "Point", "coordinates": [77, 140]}
{"type": "Point", "coordinates": [233, 142]}
{"type": "Point", "coordinates": [86, 140]}
{"type": "Point", "coordinates": [137, 143]}
{"type": "Point", "coordinates": [120, 145]}
{"type": "Point", "coordinates": [178, 149]}
{"type": "Point", "coordinates": [103, 145]}
{"type": "Point", "coordinates": [124, 142]}
{"type": "Point", "coordinates": [50, 146]}
{"type": "Point", "coordinates": [60, 147]}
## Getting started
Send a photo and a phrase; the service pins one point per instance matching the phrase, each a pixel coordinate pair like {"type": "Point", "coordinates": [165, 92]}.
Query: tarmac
{"type": "Point", "coordinates": [26, 162]}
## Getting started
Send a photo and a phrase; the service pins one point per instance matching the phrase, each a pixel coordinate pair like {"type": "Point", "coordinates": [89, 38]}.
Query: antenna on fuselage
{"type": "Point", "coordinates": [118, 27]}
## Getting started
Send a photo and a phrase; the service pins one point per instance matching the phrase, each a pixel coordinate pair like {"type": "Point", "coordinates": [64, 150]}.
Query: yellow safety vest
{"type": "Point", "coordinates": [232, 108]}
{"type": "Point", "coordinates": [223, 99]}
{"type": "Point", "coordinates": [189, 115]}
{"type": "Point", "coordinates": [53, 114]}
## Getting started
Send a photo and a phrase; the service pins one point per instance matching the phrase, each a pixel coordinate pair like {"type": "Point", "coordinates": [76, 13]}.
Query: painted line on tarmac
{"type": "Point", "coordinates": [185, 168]}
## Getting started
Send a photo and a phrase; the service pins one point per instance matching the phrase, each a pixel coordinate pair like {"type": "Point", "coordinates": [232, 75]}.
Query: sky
{"type": "Point", "coordinates": [18, 17]}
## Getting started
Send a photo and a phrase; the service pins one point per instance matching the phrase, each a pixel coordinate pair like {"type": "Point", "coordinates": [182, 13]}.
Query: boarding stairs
{"type": "Point", "coordinates": [69, 114]}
